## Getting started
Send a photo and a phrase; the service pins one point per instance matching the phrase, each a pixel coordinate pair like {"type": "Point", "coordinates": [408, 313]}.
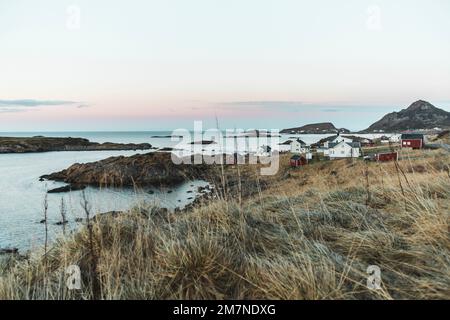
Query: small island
{"type": "Point", "coordinates": [315, 128]}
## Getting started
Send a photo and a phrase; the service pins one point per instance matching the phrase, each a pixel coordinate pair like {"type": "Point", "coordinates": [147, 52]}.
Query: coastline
{"type": "Point", "coordinates": [48, 144]}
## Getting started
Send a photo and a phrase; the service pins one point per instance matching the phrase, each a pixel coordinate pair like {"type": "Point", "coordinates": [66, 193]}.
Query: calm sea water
{"type": "Point", "coordinates": [22, 194]}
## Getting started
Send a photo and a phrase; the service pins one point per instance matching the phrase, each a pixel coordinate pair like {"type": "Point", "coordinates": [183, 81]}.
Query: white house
{"type": "Point", "coordinates": [344, 150]}
{"type": "Point", "coordinates": [299, 147]}
{"type": "Point", "coordinates": [264, 151]}
{"type": "Point", "coordinates": [395, 138]}
{"type": "Point", "coordinates": [338, 139]}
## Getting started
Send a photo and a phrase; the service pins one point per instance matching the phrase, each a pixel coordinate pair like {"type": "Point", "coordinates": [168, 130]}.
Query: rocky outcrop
{"type": "Point", "coordinates": [315, 128]}
{"type": "Point", "coordinates": [45, 144]}
{"type": "Point", "coordinates": [9, 251]}
{"type": "Point", "coordinates": [67, 188]}
{"type": "Point", "coordinates": [203, 142]}
{"type": "Point", "coordinates": [151, 169]}
{"type": "Point", "coordinates": [420, 115]}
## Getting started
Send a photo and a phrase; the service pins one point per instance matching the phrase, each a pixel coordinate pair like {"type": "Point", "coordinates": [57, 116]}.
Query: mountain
{"type": "Point", "coordinates": [323, 127]}
{"type": "Point", "coordinates": [420, 115]}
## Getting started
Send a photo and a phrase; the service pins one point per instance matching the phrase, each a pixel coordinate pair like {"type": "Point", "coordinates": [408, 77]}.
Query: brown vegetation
{"type": "Point", "coordinates": [310, 233]}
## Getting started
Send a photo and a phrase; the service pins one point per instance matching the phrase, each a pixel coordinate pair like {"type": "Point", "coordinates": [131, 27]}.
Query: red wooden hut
{"type": "Point", "coordinates": [298, 161]}
{"type": "Point", "coordinates": [387, 156]}
{"type": "Point", "coordinates": [412, 140]}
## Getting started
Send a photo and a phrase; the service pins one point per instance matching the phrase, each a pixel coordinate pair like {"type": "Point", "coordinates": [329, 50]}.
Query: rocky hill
{"type": "Point", "coordinates": [151, 169]}
{"type": "Point", "coordinates": [420, 115]}
{"type": "Point", "coordinates": [315, 128]}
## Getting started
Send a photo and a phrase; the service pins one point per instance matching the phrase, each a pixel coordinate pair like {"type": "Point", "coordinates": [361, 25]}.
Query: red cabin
{"type": "Point", "coordinates": [298, 161]}
{"type": "Point", "coordinates": [388, 156]}
{"type": "Point", "coordinates": [414, 140]}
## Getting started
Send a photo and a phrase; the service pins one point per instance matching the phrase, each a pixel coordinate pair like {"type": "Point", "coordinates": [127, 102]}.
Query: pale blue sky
{"type": "Point", "coordinates": [143, 65]}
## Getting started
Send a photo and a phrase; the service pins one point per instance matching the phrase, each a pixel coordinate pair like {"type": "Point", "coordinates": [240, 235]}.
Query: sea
{"type": "Point", "coordinates": [23, 198]}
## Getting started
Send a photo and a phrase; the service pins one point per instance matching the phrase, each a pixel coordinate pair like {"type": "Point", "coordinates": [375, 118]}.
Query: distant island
{"type": "Point", "coordinates": [315, 128]}
{"type": "Point", "coordinates": [46, 144]}
{"type": "Point", "coordinates": [421, 115]}
{"type": "Point", "coordinates": [253, 134]}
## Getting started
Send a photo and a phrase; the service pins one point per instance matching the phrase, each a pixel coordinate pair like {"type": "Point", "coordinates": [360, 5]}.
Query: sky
{"type": "Point", "coordinates": [161, 64]}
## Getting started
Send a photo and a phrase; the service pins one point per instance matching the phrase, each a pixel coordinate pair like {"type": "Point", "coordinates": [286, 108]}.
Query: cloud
{"type": "Point", "coordinates": [11, 110]}
{"type": "Point", "coordinates": [284, 106]}
{"type": "Point", "coordinates": [22, 105]}
{"type": "Point", "coordinates": [34, 103]}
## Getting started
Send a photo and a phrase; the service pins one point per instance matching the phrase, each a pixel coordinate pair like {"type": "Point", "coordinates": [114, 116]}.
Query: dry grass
{"type": "Point", "coordinates": [309, 234]}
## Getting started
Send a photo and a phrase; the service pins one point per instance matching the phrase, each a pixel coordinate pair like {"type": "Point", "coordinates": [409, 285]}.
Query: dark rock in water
{"type": "Point", "coordinates": [151, 192]}
{"type": "Point", "coordinates": [165, 149]}
{"type": "Point", "coordinates": [170, 191]}
{"type": "Point", "coordinates": [9, 250]}
{"type": "Point", "coordinates": [60, 223]}
{"type": "Point", "coordinates": [179, 200]}
{"type": "Point", "coordinates": [78, 219]}
{"type": "Point", "coordinates": [189, 191]}
{"type": "Point", "coordinates": [167, 136]}
{"type": "Point", "coordinates": [190, 198]}
{"type": "Point", "coordinates": [42, 221]}
{"type": "Point", "coordinates": [68, 188]}
{"type": "Point", "coordinates": [41, 179]}
{"type": "Point", "coordinates": [203, 142]}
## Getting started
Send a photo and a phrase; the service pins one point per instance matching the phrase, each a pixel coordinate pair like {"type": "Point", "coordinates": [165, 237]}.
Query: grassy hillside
{"type": "Point", "coordinates": [307, 233]}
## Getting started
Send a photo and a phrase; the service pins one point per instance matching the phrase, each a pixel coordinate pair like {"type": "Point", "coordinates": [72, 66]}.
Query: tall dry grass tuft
{"type": "Point", "coordinates": [308, 234]}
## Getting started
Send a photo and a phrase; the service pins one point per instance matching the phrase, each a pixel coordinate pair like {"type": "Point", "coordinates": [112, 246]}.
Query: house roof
{"type": "Point", "coordinates": [413, 136]}
{"type": "Point", "coordinates": [351, 144]}
{"type": "Point", "coordinates": [332, 145]}
{"type": "Point", "coordinates": [354, 144]}
{"type": "Point", "coordinates": [330, 138]}
{"type": "Point", "coordinates": [301, 142]}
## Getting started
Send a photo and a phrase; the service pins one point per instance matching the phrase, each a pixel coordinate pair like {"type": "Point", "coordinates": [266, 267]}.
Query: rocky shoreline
{"type": "Point", "coordinates": [150, 169]}
{"type": "Point", "coordinates": [47, 144]}
{"type": "Point", "coordinates": [157, 169]}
